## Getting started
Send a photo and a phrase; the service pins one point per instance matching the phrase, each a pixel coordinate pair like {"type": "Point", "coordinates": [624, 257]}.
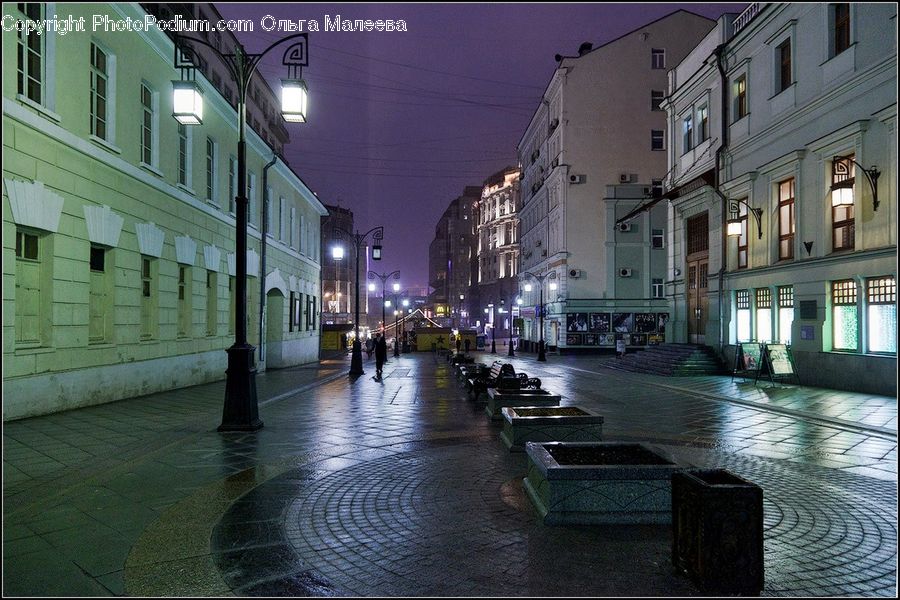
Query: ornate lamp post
{"type": "Point", "coordinates": [542, 351]}
{"type": "Point", "coordinates": [241, 410]}
{"type": "Point", "coordinates": [358, 240]}
{"type": "Point", "coordinates": [383, 277]}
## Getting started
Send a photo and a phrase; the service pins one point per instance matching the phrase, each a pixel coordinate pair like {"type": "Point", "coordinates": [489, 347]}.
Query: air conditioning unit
{"type": "Point", "coordinates": [624, 272]}
{"type": "Point", "coordinates": [624, 226]}
{"type": "Point", "coordinates": [576, 178]}
{"type": "Point", "coordinates": [623, 177]}
{"type": "Point", "coordinates": [574, 273]}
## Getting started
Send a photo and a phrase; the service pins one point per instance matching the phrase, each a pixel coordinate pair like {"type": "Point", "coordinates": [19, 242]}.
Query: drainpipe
{"type": "Point", "coordinates": [262, 259]}
{"type": "Point", "coordinates": [720, 152]}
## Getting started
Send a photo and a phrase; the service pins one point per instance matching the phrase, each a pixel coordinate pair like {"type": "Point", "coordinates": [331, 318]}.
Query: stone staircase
{"type": "Point", "coordinates": [674, 360]}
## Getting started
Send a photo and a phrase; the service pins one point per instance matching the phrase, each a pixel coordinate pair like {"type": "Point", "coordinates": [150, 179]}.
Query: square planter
{"type": "Point", "coordinates": [717, 522]}
{"type": "Point", "coordinates": [536, 398]}
{"type": "Point", "coordinates": [523, 424]}
{"type": "Point", "coordinates": [600, 482]}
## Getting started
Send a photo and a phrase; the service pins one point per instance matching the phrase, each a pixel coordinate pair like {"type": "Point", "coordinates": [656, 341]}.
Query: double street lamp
{"type": "Point", "coordinates": [396, 301]}
{"type": "Point", "coordinates": [358, 240]}
{"type": "Point", "coordinates": [540, 279]}
{"type": "Point", "coordinates": [241, 410]}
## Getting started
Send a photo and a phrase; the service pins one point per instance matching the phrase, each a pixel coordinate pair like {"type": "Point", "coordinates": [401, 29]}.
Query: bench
{"type": "Point", "coordinates": [469, 371]}
{"type": "Point", "coordinates": [502, 376]}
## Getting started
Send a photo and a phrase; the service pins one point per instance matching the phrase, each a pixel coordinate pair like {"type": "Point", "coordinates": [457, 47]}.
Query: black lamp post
{"type": "Point", "coordinates": [384, 277]}
{"type": "Point", "coordinates": [542, 351]}
{"type": "Point", "coordinates": [358, 240]}
{"type": "Point", "coordinates": [509, 331]}
{"type": "Point", "coordinates": [241, 410]}
{"type": "Point", "coordinates": [395, 301]}
{"type": "Point", "coordinates": [493, 330]}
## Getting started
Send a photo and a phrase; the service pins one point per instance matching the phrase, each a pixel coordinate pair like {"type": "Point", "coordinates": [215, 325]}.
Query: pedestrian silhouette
{"type": "Point", "coordinates": [380, 355]}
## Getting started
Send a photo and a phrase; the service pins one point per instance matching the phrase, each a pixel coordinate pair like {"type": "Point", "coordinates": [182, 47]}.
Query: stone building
{"type": "Point", "coordinates": [449, 257]}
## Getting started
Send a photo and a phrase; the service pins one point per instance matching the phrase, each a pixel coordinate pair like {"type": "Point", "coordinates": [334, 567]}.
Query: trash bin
{"type": "Point", "coordinates": [717, 526]}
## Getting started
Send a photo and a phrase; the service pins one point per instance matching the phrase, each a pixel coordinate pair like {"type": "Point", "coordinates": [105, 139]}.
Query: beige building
{"type": "Point", "coordinates": [599, 124]}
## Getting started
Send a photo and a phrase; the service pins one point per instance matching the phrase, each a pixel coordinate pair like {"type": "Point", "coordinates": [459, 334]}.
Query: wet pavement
{"type": "Point", "coordinates": [403, 488]}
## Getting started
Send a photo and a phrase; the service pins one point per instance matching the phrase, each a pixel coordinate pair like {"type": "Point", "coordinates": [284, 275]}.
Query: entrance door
{"type": "Point", "coordinates": [697, 277]}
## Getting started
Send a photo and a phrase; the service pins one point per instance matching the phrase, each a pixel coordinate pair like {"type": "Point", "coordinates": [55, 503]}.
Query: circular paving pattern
{"type": "Point", "coordinates": [452, 520]}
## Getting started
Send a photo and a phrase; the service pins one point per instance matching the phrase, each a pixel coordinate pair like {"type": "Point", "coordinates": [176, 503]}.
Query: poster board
{"type": "Point", "coordinates": [747, 358]}
{"type": "Point", "coordinates": [777, 362]}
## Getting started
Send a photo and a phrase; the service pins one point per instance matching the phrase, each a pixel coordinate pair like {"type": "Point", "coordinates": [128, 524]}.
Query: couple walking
{"type": "Point", "coordinates": [380, 347]}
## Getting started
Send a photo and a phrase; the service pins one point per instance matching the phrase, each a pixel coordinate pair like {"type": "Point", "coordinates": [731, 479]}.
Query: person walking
{"type": "Point", "coordinates": [380, 355]}
{"type": "Point", "coordinates": [370, 347]}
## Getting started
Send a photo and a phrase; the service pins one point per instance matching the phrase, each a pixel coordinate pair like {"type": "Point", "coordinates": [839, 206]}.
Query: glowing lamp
{"type": "Point", "coordinates": [187, 102]}
{"type": "Point", "coordinates": [294, 100]}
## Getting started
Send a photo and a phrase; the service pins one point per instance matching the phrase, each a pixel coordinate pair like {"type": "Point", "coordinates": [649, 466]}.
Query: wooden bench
{"type": "Point", "coordinates": [503, 377]}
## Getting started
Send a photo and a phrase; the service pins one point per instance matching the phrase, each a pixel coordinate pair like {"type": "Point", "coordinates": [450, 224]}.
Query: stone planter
{"type": "Point", "coordinates": [717, 524]}
{"type": "Point", "coordinates": [600, 482]}
{"type": "Point", "coordinates": [533, 398]}
{"type": "Point", "coordinates": [549, 424]}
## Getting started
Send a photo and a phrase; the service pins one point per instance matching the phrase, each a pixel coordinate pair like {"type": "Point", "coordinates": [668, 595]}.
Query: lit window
{"type": "Point", "coordinates": [703, 123]}
{"type": "Point", "coordinates": [743, 315]}
{"type": "Point", "coordinates": [764, 315]}
{"type": "Point", "coordinates": [881, 294]}
{"type": "Point", "coordinates": [843, 223]}
{"type": "Point", "coordinates": [785, 313]}
{"type": "Point", "coordinates": [845, 319]}
{"type": "Point", "coordinates": [687, 131]}
{"type": "Point", "coordinates": [786, 219]}
{"type": "Point", "coordinates": [739, 93]}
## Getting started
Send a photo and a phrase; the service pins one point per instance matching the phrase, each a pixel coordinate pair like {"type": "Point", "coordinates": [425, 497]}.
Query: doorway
{"type": "Point", "coordinates": [697, 277]}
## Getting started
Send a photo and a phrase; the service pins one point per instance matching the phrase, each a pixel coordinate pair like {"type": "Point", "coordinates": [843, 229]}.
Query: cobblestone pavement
{"type": "Point", "coordinates": [403, 488]}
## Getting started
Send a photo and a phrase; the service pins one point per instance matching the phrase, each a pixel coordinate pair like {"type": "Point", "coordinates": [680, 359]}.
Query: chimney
{"type": "Point", "coordinates": [584, 48]}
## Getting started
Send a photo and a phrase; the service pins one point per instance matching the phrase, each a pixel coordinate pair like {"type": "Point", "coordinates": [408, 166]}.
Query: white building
{"type": "Point", "coordinates": [810, 100]}
{"type": "Point", "coordinates": [599, 124]}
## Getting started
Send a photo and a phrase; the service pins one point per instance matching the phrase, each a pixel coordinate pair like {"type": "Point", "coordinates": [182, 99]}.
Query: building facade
{"type": "Point", "coordinates": [785, 110]}
{"type": "Point", "coordinates": [497, 252]}
{"type": "Point", "coordinates": [599, 124]}
{"type": "Point", "coordinates": [449, 258]}
{"type": "Point", "coordinates": [119, 226]}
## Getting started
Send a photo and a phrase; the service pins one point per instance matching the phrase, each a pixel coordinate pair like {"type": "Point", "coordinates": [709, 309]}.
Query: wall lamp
{"type": "Point", "coordinates": [842, 191]}
{"type": "Point", "coordinates": [734, 223]}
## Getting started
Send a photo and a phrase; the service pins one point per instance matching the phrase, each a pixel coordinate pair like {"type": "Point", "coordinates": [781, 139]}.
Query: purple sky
{"type": "Point", "coordinates": [400, 122]}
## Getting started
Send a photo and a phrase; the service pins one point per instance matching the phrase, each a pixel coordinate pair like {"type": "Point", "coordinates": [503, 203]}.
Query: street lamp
{"type": "Point", "coordinates": [493, 328]}
{"type": "Point", "coordinates": [384, 277]}
{"type": "Point", "coordinates": [540, 279]}
{"type": "Point", "coordinates": [241, 409]}
{"type": "Point", "coordinates": [358, 239]}
{"type": "Point", "coordinates": [396, 297]}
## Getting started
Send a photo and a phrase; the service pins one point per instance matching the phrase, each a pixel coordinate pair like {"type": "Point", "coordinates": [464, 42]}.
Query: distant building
{"type": "Point", "coordinates": [119, 223]}
{"type": "Point", "coordinates": [497, 252]}
{"type": "Point", "coordinates": [599, 124]}
{"type": "Point", "coordinates": [808, 97]}
{"type": "Point", "coordinates": [338, 274]}
{"type": "Point", "coordinates": [450, 255]}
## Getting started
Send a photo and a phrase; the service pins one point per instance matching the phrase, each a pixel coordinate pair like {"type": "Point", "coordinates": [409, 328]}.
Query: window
{"type": "Point", "coordinates": [840, 28]}
{"type": "Point", "coordinates": [656, 188]}
{"type": "Point", "coordinates": [657, 139]}
{"type": "Point", "coordinates": [687, 133]}
{"type": "Point", "coordinates": [283, 221]}
{"type": "Point", "coordinates": [99, 92]}
{"type": "Point", "coordinates": [785, 313]}
{"type": "Point", "coordinates": [783, 58]}
{"type": "Point", "coordinates": [30, 56]}
{"type": "Point", "coordinates": [843, 223]}
{"type": "Point", "coordinates": [743, 315]}
{"type": "Point", "coordinates": [703, 123]}
{"type": "Point", "coordinates": [28, 288]}
{"type": "Point", "coordinates": [148, 298]}
{"type": "Point", "coordinates": [182, 154]}
{"type": "Point", "coordinates": [739, 94]}
{"type": "Point", "coordinates": [292, 319]}
{"type": "Point", "coordinates": [270, 213]}
{"type": "Point", "coordinates": [658, 58]}
{"type": "Point", "coordinates": [656, 98]}
{"type": "Point", "coordinates": [764, 315]}
{"type": "Point", "coordinates": [786, 219]}
{"type": "Point", "coordinates": [100, 316]}
{"type": "Point", "coordinates": [252, 218]}
{"type": "Point", "coordinates": [657, 238]}
{"type": "Point", "coordinates": [147, 125]}
{"type": "Point", "coordinates": [742, 239]}
{"type": "Point", "coordinates": [881, 295]}
{"type": "Point", "coordinates": [212, 303]}
{"type": "Point", "coordinates": [293, 232]}
{"type": "Point", "coordinates": [656, 288]}
{"type": "Point", "coordinates": [210, 170]}
{"type": "Point", "coordinates": [845, 320]}
{"type": "Point", "coordinates": [184, 301]}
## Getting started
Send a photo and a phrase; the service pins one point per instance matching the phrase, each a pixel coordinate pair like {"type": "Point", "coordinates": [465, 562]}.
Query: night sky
{"type": "Point", "coordinates": [400, 122]}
